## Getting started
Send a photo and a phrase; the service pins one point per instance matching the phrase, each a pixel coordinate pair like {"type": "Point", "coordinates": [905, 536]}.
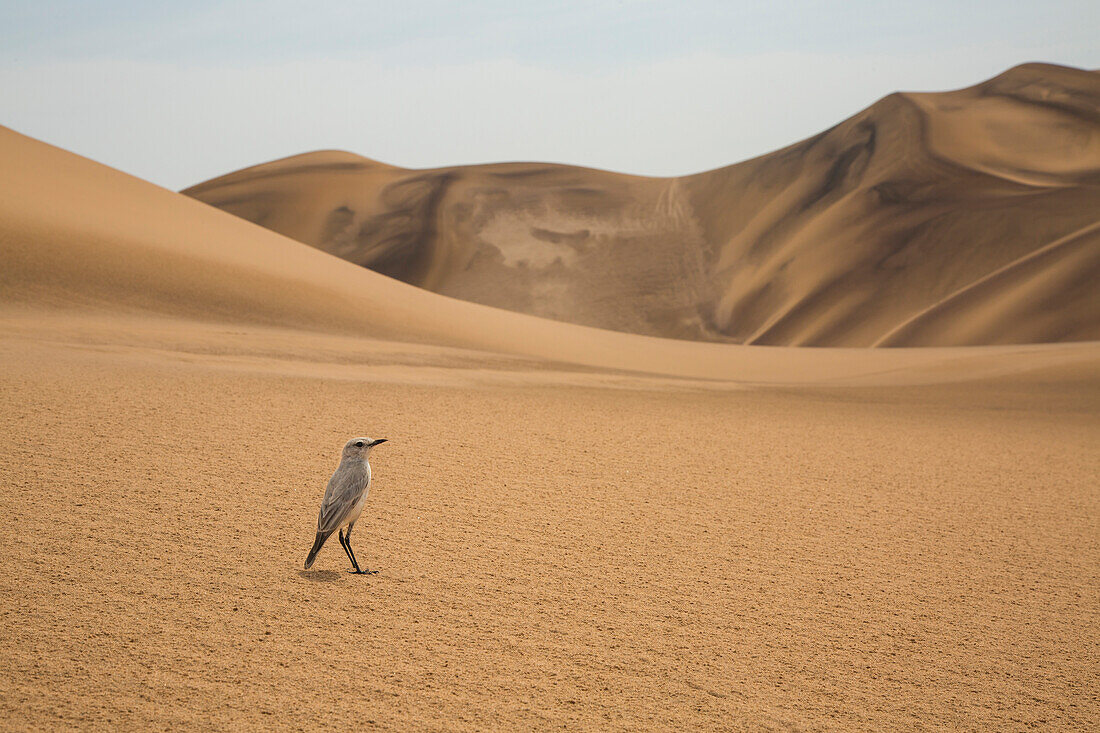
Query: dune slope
{"type": "Point", "coordinates": [835, 241]}
{"type": "Point", "coordinates": [578, 245]}
{"type": "Point", "coordinates": [80, 236]}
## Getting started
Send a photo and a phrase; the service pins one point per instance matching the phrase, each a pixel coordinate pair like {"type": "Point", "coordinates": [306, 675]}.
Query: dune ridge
{"type": "Point", "coordinates": [838, 240]}
{"type": "Point", "coordinates": [997, 304]}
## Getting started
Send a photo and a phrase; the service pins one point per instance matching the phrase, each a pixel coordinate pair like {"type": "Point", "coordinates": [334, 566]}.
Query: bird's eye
{"type": "Point", "coordinates": [359, 444]}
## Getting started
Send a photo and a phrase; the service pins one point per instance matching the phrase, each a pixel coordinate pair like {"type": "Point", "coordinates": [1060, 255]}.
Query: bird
{"type": "Point", "coordinates": [345, 496]}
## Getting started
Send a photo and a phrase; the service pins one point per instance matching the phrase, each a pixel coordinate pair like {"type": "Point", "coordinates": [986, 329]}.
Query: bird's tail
{"type": "Point", "coordinates": [321, 537]}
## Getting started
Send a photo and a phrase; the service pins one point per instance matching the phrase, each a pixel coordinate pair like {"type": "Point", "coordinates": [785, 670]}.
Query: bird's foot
{"type": "Point", "coordinates": [363, 572]}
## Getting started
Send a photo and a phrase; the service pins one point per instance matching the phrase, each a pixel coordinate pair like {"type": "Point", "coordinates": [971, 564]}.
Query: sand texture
{"type": "Point", "coordinates": [933, 219]}
{"type": "Point", "coordinates": [574, 527]}
{"type": "Point", "coordinates": [552, 550]}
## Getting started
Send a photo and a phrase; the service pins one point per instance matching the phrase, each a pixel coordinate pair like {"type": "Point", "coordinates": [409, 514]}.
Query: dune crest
{"type": "Point", "coordinates": [838, 240]}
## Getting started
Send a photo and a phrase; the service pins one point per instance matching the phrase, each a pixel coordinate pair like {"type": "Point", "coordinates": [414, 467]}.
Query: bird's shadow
{"type": "Point", "coordinates": [321, 576]}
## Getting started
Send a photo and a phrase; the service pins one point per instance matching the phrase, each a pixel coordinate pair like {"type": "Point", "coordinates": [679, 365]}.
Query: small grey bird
{"type": "Point", "coordinates": [345, 496]}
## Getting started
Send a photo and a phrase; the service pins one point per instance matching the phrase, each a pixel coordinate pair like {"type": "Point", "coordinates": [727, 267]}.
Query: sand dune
{"type": "Point", "coordinates": [576, 528]}
{"type": "Point", "coordinates": [79, 235]}
{"type": "Point", "coordinates": [577, 245]}
{"type": "Point", "coordinates": [839, 240]}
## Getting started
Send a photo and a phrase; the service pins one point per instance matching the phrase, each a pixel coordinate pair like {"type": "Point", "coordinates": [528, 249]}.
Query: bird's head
{"type": "Point", "coordinates": [360, 447]}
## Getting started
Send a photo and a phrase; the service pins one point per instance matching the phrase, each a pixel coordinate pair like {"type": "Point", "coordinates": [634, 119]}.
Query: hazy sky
{"type": "Point", "coordinates": [177, 92]}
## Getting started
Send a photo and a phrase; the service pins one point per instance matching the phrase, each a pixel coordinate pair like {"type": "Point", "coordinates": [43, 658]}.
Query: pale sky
{"type": "Point", "coordinates": [178, 92]}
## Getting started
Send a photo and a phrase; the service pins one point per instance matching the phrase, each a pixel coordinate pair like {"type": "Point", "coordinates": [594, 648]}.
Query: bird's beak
{"type": "Point", "coordinates": [376, 442]}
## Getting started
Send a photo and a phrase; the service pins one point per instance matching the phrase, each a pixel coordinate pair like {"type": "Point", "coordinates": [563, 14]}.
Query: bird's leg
{"type": "Point", "coordinates": [344, 544]}
{"type": "Point", "coordinates": [351, 554]}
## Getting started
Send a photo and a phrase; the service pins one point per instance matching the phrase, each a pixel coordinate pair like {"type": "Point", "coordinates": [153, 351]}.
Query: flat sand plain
{"type": "Point", "coordinates": [556, 548]}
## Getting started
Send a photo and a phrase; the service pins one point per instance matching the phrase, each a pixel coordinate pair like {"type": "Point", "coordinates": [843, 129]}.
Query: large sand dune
{"type": "Point", "coordinates": [80, 235]}
{"type": "Point", "coordinates": [576, 528]}
{"type": "Point", "coordinates": [893, 228]}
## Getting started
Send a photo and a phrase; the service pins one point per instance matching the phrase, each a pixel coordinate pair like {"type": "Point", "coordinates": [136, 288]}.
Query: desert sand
{"type": "Point", "coordinates": [928, 219]}
{"type": "Point", "coordinates": [574, 527]}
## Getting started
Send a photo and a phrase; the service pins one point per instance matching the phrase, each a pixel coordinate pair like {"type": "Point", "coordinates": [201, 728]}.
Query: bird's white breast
{"type": "Point", "coordinates": [358, 508]}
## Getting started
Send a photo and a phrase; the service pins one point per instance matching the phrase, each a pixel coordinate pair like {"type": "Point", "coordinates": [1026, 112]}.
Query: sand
{"type": "Point", "coordinates": [554, 549]}
{"type": "Point", "coordinates": [928, 219]}
{"type": "Point", "coordinates": [573, 527]}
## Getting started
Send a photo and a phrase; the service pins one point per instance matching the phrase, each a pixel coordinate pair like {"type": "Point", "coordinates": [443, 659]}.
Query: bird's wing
{"type": "Point", "coordinates": [344, 489]}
